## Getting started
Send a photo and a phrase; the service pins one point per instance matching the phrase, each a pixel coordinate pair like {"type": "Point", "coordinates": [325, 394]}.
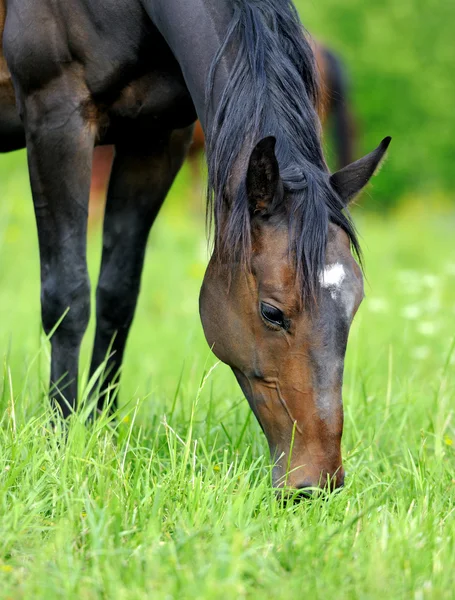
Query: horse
{"type": "Point", "coordinates": [334, 106]}
{"type": "Point", "coordinates": [333, 110]}
{"type": "Point", "coordinates": [282, 285]}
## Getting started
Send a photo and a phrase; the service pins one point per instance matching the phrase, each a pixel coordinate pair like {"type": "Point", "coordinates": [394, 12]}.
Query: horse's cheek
{"type": "Point", "coordinates": [227, 338]}
{"type": "Point", "coordinates": [225, 331]}
{"type": "Point", "coordinates": [211, 312]}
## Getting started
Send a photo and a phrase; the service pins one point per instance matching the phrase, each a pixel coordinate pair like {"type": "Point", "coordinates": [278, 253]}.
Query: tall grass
{"type": "Point", "coordinates": [173, 499]}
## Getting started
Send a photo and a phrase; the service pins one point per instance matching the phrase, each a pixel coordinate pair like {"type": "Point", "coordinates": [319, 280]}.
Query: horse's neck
{"type": "Point", "coordinates": [194, 30]}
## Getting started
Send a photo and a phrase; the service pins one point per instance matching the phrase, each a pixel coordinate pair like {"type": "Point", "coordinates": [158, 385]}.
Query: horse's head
{"type": "Point", "coordinates": [288, 355]}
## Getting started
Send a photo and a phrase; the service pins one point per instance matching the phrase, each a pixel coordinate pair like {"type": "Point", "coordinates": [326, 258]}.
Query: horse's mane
{"type": "Point", "coordinates": [272, 90]}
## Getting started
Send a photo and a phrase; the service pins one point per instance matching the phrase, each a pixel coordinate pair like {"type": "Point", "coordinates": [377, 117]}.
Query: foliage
{"type": "Point", "coordinates": [399, 56]}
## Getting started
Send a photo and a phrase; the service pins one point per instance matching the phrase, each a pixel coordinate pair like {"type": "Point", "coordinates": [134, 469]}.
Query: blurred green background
{"type": "Point", "coordinates": [400, 56]}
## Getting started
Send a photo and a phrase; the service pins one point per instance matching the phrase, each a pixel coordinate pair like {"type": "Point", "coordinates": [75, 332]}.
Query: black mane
{"type": "Point", "coordinates": [272, 91]}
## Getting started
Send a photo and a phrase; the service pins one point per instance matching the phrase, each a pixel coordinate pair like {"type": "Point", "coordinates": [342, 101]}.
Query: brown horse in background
{"type": "Point", "coordinates": [333, 109]}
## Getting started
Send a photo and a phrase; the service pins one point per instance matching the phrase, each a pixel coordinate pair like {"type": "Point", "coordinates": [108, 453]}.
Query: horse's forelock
{"type": "Point", "coordinates": [273, 91]}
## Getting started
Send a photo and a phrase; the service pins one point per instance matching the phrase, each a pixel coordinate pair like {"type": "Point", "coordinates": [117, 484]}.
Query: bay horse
{"type": "Point", "coordinates": [282, 285]}
{"type": "Point", "coordinates": [334, 103]}
{"type": "Point", "coordinates": [333, 108]}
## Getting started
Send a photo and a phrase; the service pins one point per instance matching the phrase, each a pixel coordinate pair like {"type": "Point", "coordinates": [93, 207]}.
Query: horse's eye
{"type": "Point", "coordinates": [273, 315]}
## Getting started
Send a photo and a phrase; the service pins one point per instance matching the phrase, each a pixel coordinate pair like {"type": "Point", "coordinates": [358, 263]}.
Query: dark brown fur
{"type": "Point", "coordinates": [131, 74]}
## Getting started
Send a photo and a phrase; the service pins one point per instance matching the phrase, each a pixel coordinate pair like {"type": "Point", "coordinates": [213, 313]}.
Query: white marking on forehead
{"type": "Point", "coordinates": [332, 277]}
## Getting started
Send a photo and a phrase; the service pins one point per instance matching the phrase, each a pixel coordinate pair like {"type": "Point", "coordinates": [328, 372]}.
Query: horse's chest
{"type": "Point", "coordinates": [157, 96]}
{"type": "Point", "coordinates": [137, 85]}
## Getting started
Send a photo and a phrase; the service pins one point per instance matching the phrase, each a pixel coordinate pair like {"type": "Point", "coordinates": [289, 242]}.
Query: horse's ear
{"type": "Point", "coordinates": [263, 176]}
{"type": "Point", "coordinates": [352, 179]}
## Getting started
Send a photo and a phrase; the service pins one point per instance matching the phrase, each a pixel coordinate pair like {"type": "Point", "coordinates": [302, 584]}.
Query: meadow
{"type": "Point", "coordinates": [174, 500]}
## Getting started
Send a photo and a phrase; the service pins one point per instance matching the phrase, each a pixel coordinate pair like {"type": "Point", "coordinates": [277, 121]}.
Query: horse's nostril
{"type": "Point", "coordinates": [308, 490]}
{"type": "Point", "coordinates": [304, 491]}
{"type": "Point", "coordinates": [305, 488]}
{"type": "Point", "coordinates": [296, 495]}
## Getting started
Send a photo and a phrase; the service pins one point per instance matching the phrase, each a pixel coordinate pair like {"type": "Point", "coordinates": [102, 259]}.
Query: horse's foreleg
{"type": "Point", "coordinates": [60, 147]}
{"type": "Point", "coordinates": [12, 135]}
{"type": "Point", "coordinates": [139, 183]}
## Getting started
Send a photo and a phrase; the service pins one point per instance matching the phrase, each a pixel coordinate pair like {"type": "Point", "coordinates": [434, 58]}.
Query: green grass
{"type": "Point", "coordinates": [176, 501]}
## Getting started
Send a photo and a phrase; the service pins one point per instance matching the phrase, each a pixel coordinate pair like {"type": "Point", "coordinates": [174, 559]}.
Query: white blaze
{"type": "Point", "coordinates": [332, 278]}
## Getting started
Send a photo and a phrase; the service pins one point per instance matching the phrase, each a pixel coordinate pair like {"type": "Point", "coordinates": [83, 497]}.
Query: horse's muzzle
{"type": "Point", "coordinates": [297, 490]}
